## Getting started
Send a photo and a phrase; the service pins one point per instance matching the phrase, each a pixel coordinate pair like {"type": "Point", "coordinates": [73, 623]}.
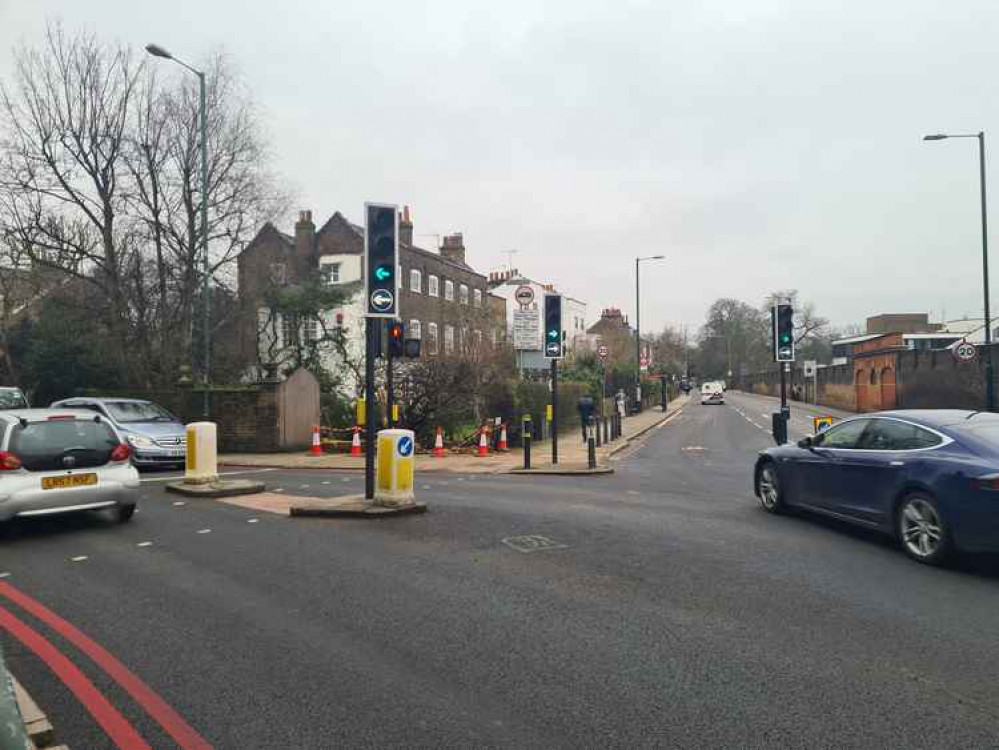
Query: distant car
{"type": "Point", "coordinates": [156, 436]}
{"type": "Point", "coordinates": [928, 477]}
{"type": "Point", "coordinates": [711, 393]}
{"type": "Point", "coordinates": [61, 461]}
{"type": "Point", "coordinates": [12, 398]}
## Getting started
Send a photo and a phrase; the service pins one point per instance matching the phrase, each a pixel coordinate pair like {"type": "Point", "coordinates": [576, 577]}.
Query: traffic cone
{"type": "Point", "coordinates": [355, 442]}
{"type": "Point", "coordinates": [483, 443]}
{"type": "Point", "coordinates": [439, 444]}
{"type": "Point", "coordinates": [502, 441]}
{"type": "Point", "coordinates": [317, 448]}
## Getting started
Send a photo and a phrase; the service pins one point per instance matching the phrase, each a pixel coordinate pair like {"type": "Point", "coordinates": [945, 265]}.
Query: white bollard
{"type": "Point", "coordinates": [202, 453]}
{"type": "Point", "coordinates": [394, 465]}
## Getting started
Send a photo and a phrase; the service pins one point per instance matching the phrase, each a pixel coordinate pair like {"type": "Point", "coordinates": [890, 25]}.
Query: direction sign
{"type": "Point", "coordinates": [381, 300]}
{"type": "Point", "coordinates": [603, 351]}
{"type": "Point", "coordinates": [553, 349]}
{"type": "Point", "coordinates": [524, 295]}
{"type": "Point", "coordinates": [405, 446]}
{"type": "Point", "coordinates": [965, 352]}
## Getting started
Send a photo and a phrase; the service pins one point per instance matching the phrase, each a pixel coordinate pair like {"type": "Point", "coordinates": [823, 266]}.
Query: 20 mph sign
{"type": "Point", "coordinates": [965, 352]}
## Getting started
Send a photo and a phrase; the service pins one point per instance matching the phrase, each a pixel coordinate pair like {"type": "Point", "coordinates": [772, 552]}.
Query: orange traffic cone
{"type": "Point", "coordinates": [483, 443]}
{"type": "Point", "coordinates": [502, 441]}
{"type": "Point", "coordinates": [317, 448]}
{"type": "Point", "coordinates": [355, 442]}
{"type": "Point", "coordinates": [439, 444]}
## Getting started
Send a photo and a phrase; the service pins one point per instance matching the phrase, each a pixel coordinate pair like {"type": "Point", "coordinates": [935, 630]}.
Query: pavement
{"type": "Point", "coordinates": [659, 606]}
{"type": "Point", "coordinates": [572, 453]}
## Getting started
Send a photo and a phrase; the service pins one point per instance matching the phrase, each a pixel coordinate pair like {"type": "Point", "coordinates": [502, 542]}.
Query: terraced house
{"type": "Point", "coordinates": [443, 301]}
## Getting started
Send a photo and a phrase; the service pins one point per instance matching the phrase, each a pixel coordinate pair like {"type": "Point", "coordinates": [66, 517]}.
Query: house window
{"type": "Point", "coordinates": [414, 330]}
{"type": "Point", "coordinates": [478, 338]}
{"type": "Point", "coordinates": [289, 330]}
{"type": "Point", "coordinates": [463, 294]}
{"type": "Point", "coordinates": [433, 286]}
{"type": "Point", "coordinates": [277, 273]}
{"type": "Point", "coordinates": [449, 290]}
{"type": "Point", "coordinates": [464, 338]}
{"type": "Point", "coordinates": [448, 339]}
{"type": "Point", "coordinates": [477, 298]}
{"type": "Point", "coordinates": [311, 329]}
{"type": "Point", "coordinates": [416, 281]}
{"type": "Point", "coordinates": [432, 338]}
{"type": "Point", "coordinates": [330, 272]}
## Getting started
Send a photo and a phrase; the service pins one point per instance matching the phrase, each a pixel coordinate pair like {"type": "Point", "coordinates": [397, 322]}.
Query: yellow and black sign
{"type": "Point", "coordinates": [820, 423]}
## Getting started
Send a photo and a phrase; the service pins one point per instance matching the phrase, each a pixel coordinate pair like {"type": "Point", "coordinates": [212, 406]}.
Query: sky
{"type": "Point", "coordinates": [757, 144]}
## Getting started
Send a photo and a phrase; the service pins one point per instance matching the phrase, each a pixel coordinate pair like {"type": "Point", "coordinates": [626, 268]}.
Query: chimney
{"type": "Point", "coordinates": [405, 227]}
{"type": "Point", "coordinates": [305, 240]}
{"type": "Point", "coordinates": [453, 248]}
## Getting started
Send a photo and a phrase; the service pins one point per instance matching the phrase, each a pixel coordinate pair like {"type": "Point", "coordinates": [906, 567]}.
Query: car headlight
{"type": "Point", "coordinates": [140, 442]}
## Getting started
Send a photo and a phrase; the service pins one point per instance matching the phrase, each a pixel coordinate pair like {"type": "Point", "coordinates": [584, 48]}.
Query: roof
{"type": "Point", "coordinates": [936, 417]}
{"type": "Point", "coordinates": [858, 339]}
{"type": "Point", "coordinates": [107, 400]}
{"type": "Point", "coordinates": [39, 415]}
{"type": "Point", "coordinates": [441, 259]}
{"type": "Point", "coordinates": [936, 335]}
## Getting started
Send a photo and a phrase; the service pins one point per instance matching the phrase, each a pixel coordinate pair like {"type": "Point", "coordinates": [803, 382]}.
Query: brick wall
{"type": "Point", "coordinates": [935, 380]}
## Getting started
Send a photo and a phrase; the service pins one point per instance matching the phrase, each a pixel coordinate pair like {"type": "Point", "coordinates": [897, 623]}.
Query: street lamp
{"type": "Point", "coordinates": [638, 329]}
{"type": "Point", "coordinates": [990, 394]}
{"type": "Point", "coordinates": [156, 51]}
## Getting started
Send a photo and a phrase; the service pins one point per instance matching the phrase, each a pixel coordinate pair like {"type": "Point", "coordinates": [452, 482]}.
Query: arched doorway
{"type": "Point", "coordinates": [888, 388]}
{"type": "Point", "coordinates": [873, 393]}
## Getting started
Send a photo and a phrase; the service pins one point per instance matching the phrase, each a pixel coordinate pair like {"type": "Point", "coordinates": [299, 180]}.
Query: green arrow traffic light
{"type": "Point", "coordinates": [553, 335]}
{"type": "Point", "coordinates": [383, 272]}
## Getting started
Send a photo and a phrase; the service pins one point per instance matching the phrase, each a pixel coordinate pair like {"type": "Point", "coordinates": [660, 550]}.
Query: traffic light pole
{"type": "Point", "coordinates": [371, 325]}
{"type": "Point", "coordinates": [389, 389]}
{"type": "Point", "coordinates": [554, 412]}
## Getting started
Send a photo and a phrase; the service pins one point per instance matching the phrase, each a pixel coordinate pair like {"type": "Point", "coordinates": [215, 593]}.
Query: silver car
{"type": "Point", "coordinates": [62, 461]}
{"type": "Point", "coordinates": [156, 436]}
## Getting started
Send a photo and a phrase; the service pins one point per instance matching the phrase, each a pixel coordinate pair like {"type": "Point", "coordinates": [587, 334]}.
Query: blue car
{"type": "Point", "coordinates": [928, 477]}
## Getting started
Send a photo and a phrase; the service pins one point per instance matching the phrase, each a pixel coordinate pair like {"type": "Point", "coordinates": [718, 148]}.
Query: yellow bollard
{"type": "Point", "coordinates": [202, 453]}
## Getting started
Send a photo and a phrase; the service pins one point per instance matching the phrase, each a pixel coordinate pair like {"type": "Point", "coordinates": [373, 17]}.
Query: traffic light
{"type": "Point", "coordinates": [553, 326]}
{"type": "Point", "coordinates": [783, 327]}
{"type": "Point", "coordinates": [396, 339]}
{"type": "Point", "coordinates": [381, 240]}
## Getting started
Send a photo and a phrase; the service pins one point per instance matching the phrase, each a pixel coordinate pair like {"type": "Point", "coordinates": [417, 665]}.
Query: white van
{"type": "Point", "coordinates": [712, 393]}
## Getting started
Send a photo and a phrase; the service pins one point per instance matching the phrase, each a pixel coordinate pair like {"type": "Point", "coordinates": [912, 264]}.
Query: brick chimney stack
{"type": "Point", "coordinates": [405, 227]}
{"type": "Point", "coordinates": [453, 248]}
{"type": "Point", "coordinates": [305, 241]}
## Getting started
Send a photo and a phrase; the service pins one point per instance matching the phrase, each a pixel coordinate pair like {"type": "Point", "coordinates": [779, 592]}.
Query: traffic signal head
{"type": "Point", "coordinates": [381, 245]}
{"type": "Point", "coordinates": [553, 327]}
{"type": "Point", "coordinates": [396, 339]}
{"type": "Point", "coordinates": [783, 333]}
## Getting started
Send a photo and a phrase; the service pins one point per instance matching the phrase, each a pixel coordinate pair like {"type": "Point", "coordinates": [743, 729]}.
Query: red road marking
{"type": "Point", "coordinates": [172, 722]}
{"type": "Point", "coordinates": [113, 723]}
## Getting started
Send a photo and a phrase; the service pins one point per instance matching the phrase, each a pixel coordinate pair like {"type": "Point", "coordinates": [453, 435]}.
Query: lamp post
{"type": "Point", "coordinates": [157, 51]}
{"type": "Point", "coordinates": [638, 329]}
{"type": "Point", "coordinates": [990, 394]}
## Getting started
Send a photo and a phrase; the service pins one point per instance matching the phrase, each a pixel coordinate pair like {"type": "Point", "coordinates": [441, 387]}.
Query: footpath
{"type": "Point", "coordinates": [572, 452]}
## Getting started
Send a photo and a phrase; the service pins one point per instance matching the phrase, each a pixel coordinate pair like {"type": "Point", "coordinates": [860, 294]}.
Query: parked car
{"type": "Point", "coordinates": [156, 436]}
{"type": "Point", "coordinates": [928, 477]}
{"type": "Point", "coordinates": [61, 461]}
{"type": "Point", "coordinates": [711, 393]}
{"type": "Point", "coordinates": [12, 398]}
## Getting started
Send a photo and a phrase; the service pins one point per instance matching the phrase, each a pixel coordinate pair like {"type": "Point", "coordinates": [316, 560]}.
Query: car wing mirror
{"type": "Point", "coordinates": [806, 443]}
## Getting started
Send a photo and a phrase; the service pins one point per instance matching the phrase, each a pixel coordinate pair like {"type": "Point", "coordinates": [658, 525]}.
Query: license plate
{"type": "Point", "coordinates": [71, 480]}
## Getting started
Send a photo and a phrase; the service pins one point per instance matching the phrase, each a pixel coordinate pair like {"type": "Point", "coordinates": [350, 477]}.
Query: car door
{"type": "Point", "coordinates": [818, 465]}
{"type": "Point", "coordinates": [879, 464]}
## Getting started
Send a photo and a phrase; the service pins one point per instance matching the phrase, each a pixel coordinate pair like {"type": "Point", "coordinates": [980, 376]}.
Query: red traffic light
{"type": "Point", "coordinates": [396, 331]}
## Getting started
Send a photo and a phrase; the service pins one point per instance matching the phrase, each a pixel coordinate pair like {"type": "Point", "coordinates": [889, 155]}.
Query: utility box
{"type": "Point", "coordinates": [394, 463]}
{"type": "Point", "coordinates": [202, 453]}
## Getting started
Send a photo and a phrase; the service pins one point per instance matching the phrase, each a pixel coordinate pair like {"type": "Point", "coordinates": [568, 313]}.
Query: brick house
{"type": "Point", "coordinates": [442, 300]}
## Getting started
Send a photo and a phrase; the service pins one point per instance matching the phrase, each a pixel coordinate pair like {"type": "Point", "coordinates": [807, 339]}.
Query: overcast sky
{"type": "Point", "coordinates": [758, 144]}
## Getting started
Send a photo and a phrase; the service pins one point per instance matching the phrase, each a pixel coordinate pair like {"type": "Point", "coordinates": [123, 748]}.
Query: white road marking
{"type": "Point", "coordinates": [253, 520]}
{"type": "Point", "coordinates": [80, 558]}
{"type": "Point", "coordinates": [424, 486]}
{"type": "Point", "coordinates": [304, 487]}
{"type": "Point", "coordinates": [634, 492]}
{"type": "Point", "coordinates": [345, 479]}
{"type": "Point", "coordinates": [174, 477]}
{"type": "Point", "coordinates": [179, 502]}
{"type": "Point", "coordinates": [144, 544]}
{"type": "Point", "coordinates": [5, 575]}
{"type": "Point", "coordinates": [532, 543]}
{"type": "Point", "coordinates": [327, 482]}
{"type": "Point", "coordinates": [204, 531]}
{"type": "Point", "coordinates": [279, 489]}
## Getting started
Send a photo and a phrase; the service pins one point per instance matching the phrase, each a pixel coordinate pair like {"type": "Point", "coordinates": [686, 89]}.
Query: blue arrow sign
{"type": "Point", "coordinates": [405, 446]}
{"type": "Point", "coordinates": [382, 273]}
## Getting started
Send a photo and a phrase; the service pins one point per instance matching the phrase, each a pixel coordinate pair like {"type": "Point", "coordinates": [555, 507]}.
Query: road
{"type": "Point", "coordinates": [668, 611]}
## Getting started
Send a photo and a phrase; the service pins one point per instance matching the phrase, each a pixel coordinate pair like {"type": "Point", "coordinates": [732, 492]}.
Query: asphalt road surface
{"type": "Point", "coordinates": [656, 607]}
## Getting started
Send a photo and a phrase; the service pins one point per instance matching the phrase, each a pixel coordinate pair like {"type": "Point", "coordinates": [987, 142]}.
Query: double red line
{"type": "Point", "coordinates": [116, 726]}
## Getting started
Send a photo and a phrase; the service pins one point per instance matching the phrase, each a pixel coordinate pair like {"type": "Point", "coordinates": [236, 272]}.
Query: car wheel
{"type": "Point", "coordinates": [124, 513]}
{"type": "Point", "coordinates": [922, 530]}
{"type": "Point", "coordinates": [768, 485]}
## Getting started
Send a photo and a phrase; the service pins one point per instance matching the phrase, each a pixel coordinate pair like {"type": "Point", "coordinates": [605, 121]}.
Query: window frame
{"type": "Point", "coordinates": [943, 439]}
{"type": "Point", "coordinates": [433, 340]}
{"type": "Point", "coordinates": [463, 294]}
{"type": "Point", "coordinates": [334, 267]}
{"type": "Point", "coordinates": [448, 290]}
{"type": "Point", "coordinates": [415, 274]}
{"type": "Point", "coordinates": [477, 299]}
{"type": "Point", "coordinates": [448, 339]}
{"type": "Point", "coordinates": [414, 329]}
{"type": "Point", "coordinates": [433, 286]}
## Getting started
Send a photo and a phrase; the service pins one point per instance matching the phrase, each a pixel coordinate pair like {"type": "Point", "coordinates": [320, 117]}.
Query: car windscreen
{"type": "Point", "coordinates": [12, 398]}
{"type": "Point", "coordinates": [62, 444]}
{"type": "Point", "coordinates": [128, 411]}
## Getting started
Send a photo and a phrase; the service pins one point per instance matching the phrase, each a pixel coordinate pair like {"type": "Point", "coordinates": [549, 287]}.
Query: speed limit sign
{"type": "Point", "coordinates": [965, 352]}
